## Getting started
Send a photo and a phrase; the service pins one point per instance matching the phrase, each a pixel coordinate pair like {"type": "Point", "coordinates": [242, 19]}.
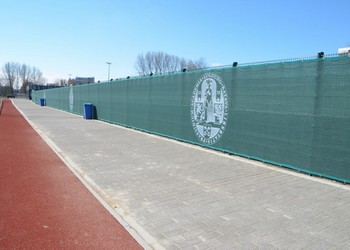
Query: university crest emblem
{"type": "Point", "coordinates": [209, 108]}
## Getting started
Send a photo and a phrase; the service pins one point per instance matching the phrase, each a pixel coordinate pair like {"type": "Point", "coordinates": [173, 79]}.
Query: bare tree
{"type": "Point", "coordinates": [17, 79]}
{"type": "Point", "coordinates": [30, 75]}
{"type": "Point", "coordinates": [37, 76]}
{"type": "Point", "coordinates": [149, 62]}
{"type": "Point", "coordinates": [9, 74]}
{"type": "Point", "coordinates": [141, 64]}
{"type": "Point", "coordinates": [173, 64]}
{"type": "Point", "coordinates": [15, 75]}
{"type": "Point", "coordinates": [160, 63]}
{"type": "Point", "coordinates": [183, 63]}
{"type": "Point", "coordinates": [61, 82]}
{"type": "Point", "coordinates": [200, 63]}
{"type": "Point", "coordinates": [25, 75]}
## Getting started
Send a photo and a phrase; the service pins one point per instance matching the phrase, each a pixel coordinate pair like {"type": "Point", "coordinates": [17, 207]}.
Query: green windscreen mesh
{"type": "Point", "coordinates": [292, 114]}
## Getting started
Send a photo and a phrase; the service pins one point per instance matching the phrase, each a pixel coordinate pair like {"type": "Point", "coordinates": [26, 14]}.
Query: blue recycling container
{"type": "Point", "coordinates": [42, 102]}
{"type": "Point", "coordinates": [88, 109]}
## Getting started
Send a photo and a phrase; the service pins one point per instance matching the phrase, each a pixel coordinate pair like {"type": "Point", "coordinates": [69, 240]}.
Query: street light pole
{"type": "Point", "coordinates": [109, 68]}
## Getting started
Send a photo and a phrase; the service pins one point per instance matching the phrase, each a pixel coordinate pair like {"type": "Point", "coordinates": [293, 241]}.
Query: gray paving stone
{"type": "Point", "coordinates": [189, 243]}
{"type": "Point", "coordinates": [189, 198]}
{"type": "Point", "coordinates": [341, 238]}
{"type": "Point", "coordinates": [322, 245]}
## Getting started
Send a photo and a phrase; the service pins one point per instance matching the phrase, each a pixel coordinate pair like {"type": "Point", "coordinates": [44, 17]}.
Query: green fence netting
{"type": "Point", "coordinates": [292, 114]}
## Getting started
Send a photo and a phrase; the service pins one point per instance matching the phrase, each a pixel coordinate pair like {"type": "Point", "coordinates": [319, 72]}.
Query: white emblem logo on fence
{"type": "Point", "coordinates": [209, 108]}
{"type": "Point", "coordinates": [71, 99]}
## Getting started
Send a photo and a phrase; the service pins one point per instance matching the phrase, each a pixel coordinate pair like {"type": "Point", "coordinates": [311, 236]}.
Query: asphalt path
{"type": "Point", "coordinates": [43, 205]}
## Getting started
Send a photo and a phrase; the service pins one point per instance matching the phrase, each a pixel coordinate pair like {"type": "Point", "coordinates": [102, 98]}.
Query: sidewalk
{"type": "Point", "coordinates": [181, 196]}
{"type": "Point", "coordinates": [43, 205]}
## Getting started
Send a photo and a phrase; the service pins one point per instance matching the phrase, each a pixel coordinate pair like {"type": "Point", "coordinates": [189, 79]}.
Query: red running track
{"type": "Point", "coordinates": [43, 205]}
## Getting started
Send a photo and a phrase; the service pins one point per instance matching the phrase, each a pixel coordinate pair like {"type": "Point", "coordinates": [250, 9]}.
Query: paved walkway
{"type": "Point", "coordinates": [180, 196]}
{"type": "Point", "coordinates": [43, 205]}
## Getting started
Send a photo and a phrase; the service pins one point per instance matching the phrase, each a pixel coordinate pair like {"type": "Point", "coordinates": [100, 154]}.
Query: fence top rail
{"type": "Point", "coordinates": [319, 56]}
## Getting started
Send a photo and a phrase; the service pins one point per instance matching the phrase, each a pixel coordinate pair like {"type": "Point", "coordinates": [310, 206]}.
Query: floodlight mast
{"type": "Point", "coordinates": [109, 69]}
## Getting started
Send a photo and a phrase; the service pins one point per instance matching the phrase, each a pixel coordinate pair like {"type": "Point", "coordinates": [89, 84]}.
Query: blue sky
{"type": "Point", "coordinates": [78, 37]}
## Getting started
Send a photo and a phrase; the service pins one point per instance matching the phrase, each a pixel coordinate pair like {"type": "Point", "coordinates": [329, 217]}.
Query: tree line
{"type": "Point", "coordinates": [16, 75]}
{"type": "Point", "coordinates": [159, 62]}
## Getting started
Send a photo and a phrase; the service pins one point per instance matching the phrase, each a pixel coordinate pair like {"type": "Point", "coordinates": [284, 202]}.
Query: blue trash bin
{"type": "Point", "coordinates": [42, 102]}
{"type": "Point", "coordinates": [88, 108]}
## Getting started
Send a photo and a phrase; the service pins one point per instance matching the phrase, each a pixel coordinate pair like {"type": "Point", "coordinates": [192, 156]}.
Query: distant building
{"type": "Point", "coordinates": [84, 80]}
{"type": "Point", "coordinates": [344, 51]}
